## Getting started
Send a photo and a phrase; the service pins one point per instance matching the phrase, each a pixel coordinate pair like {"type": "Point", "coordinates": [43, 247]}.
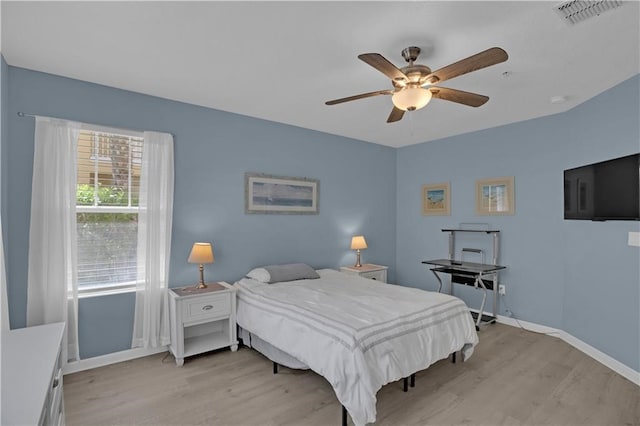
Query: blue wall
{"type": "Point", "coordinates": [573, 275]}
{"type": "Point", "coordinates": [577, 276]}
{"type": "Point", "coordinates": [213, 150]}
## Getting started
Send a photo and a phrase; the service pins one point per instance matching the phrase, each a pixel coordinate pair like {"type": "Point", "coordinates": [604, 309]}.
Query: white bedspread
{"type": "Point", "coordinates": [357, 333]}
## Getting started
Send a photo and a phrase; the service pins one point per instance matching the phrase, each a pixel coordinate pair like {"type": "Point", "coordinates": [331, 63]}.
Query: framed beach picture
{"type": "Point", "coordinates": [495, 196]}
{"type": "Point", "coordinates": [267, 194]}
{"type": "Point", "coordinates": [436, 199]}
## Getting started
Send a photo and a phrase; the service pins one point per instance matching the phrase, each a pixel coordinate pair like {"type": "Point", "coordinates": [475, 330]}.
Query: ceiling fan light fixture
{"type": "Point", "coordinates": [411, 98]}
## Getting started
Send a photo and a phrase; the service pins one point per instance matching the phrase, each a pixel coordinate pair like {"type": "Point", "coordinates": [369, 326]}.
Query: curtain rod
{"type": "Point", "coordinates": [24, 114]}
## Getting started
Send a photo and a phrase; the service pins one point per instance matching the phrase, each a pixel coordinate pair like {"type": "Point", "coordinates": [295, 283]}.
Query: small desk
{"type": "Point", "coordinates": [479, 275]}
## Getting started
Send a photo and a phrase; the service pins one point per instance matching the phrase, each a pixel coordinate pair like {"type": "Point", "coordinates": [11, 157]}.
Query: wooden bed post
{"type": "Point", "coordinates": [344, 416]}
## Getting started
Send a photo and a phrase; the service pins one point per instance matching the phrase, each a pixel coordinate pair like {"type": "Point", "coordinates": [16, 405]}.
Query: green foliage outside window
{"type": "Point", "coordinates": [106, 196]}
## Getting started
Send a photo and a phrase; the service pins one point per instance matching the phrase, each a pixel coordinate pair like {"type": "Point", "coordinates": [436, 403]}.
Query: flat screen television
{"type": "Point", "coordinates": [609, 190]}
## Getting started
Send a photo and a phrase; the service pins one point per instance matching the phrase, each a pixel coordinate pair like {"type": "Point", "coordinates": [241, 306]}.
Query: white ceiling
{"type": "Point", "coordinates": [281, 61]}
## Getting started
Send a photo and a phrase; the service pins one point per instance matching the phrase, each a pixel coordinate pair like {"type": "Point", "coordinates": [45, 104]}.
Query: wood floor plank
{"type": "Point", "coordinates": [514, 377]}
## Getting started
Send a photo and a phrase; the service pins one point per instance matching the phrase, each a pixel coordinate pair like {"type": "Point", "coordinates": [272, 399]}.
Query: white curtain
{"type": "Point", "coordinates": [151, 320]}
{"type": "Point", "coordinates": [52, 294]}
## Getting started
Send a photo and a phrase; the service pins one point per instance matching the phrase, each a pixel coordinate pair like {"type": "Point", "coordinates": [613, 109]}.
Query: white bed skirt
{"type": "Point", "coordinates": [274, 354]}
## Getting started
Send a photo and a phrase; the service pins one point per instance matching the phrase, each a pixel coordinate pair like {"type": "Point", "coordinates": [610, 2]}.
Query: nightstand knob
{"type": "Point", "coordinates": [374, 278]}
{"type": "Point", "coordinates": [207, 307]}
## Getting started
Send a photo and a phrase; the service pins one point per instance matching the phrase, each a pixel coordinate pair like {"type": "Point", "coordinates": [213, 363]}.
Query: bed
{"type": "Point", "coordinates": [357, 333]}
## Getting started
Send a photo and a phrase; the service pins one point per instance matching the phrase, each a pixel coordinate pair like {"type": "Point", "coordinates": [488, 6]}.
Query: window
{"type": "Point", "coordinates": [107, 192]}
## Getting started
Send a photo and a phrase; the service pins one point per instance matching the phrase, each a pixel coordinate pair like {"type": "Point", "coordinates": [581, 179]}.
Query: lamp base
{"type": "Point", "coordinates": [358, 264]}
{"type": "Point", "coordinates": [201, 284]}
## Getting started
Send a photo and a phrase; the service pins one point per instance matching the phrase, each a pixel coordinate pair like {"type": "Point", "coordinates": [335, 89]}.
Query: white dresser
{"type": "Point", "coordinates": [32, 376]}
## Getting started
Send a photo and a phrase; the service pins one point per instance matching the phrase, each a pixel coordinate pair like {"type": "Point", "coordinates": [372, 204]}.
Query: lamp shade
{"type": "Point", "coordinates": [411, 98]}
{"type": "Point", "coordinates": [358, 243]}
{"type": "Point", "coordinates": [201, 253]}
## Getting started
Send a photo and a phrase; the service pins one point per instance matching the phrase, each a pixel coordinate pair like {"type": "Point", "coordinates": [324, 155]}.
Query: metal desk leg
{"type": "Point", "coordinates": [480, 284]}
{"type": "Point", "coordinates": [496, 292]}
{"type": "Point", "coordinates": [439, 281]}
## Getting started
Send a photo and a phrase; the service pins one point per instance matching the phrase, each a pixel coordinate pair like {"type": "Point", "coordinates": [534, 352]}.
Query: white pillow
{"type": "Point", "coordinates": [259, 274]}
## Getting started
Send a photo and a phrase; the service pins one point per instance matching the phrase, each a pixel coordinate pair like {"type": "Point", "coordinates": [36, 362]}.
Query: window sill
{"type": "Point", "coordinates": [105, 291]}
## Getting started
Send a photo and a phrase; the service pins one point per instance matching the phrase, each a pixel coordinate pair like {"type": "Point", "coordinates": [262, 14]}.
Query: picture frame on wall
{"type": "Point", "coordinates": [436, 199]}
{"type": "Point", "coordinates": [495, 196]}
{"type": "Point", "coordinates": [269, 194]}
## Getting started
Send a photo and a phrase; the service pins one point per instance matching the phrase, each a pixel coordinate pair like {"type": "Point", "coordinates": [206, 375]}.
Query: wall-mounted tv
{"type": "Point", "coordinates": [609, 190]}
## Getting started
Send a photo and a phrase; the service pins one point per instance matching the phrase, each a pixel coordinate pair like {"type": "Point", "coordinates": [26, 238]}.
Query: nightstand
{"type": "Point", "coordinates": [202, 320]}
{"type": "Point", "coordinates": [368, 270]}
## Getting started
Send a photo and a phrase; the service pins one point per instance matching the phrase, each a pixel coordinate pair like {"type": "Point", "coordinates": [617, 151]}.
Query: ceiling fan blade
{"type": "Point", "coordinates": [380, 63]}
{"type": "Point", "coordinates": [360, 96]}
{"type": "Point", "coordinates": [458, 96]}
{"type": "Point", "coordinates": [489, 57]}
{"type": "Point", "coordinates": [396, 115]}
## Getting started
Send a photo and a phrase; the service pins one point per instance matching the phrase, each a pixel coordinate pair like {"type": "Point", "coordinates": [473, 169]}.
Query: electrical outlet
{"type": "Point", "coordinates": [502, 289]}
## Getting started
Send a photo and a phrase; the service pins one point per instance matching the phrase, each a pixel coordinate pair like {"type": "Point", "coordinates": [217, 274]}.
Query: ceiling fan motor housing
{"type": "Point", "coordinates": [415, 73]}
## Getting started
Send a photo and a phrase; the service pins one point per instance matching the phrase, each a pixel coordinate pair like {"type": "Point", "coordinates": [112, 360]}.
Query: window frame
{"type": "Point", "coordinates": [92, 290]}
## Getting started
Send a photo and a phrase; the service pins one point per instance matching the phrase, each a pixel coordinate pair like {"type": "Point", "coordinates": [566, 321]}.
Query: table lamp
{"type": "Point", "coordinates": [358, 243]}
{"type": "Point", "coordinates": [201, 253]}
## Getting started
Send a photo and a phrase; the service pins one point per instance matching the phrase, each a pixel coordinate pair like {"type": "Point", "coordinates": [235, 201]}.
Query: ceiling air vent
{"type": "Point", "coordinates": [575, 11]}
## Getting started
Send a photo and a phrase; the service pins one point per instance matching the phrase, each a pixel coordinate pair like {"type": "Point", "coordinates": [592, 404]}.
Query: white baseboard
{"type": "Point", "coordinates": [101, 361]}
{"type": "Point", "coordinates": [625, 371]}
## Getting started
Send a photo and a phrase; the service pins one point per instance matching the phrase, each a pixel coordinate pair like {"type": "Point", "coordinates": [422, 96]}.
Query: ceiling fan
{"type": "Point", "coordinates": [414, 85]}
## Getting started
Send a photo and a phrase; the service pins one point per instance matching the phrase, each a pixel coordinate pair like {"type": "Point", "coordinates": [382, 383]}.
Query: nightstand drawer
{"type": "Point", "coordinates": [375, 275]}
{"type": "Point", "coordinates": [206, 307]}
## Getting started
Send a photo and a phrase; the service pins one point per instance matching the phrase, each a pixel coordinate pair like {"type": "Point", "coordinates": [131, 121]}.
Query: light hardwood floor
{"type": "Point", "coordinates": [514, 377]}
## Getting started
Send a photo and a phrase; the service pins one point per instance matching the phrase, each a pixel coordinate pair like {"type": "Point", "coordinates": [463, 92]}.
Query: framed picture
{"type": "Point", "coordinates": [267, 194]}
{"type": "Point", "coordinates": [436, 199]}
{"type": "Point", "coordinates": [495, 196]}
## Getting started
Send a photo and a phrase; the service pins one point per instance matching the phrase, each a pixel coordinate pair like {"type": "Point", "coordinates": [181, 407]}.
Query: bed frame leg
{"type": "Point", "coordinates": [453, 358]}
{"type": "Point", "coordinates": [406, 383]}
{"type": "Point", "coordinates": [344, 416]}
{"type": "Point", "coordinates": [275, 368]}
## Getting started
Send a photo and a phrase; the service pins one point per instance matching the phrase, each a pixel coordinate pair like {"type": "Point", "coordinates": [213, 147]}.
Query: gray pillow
{"type": "Point", "coordinates": [288, 272]}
